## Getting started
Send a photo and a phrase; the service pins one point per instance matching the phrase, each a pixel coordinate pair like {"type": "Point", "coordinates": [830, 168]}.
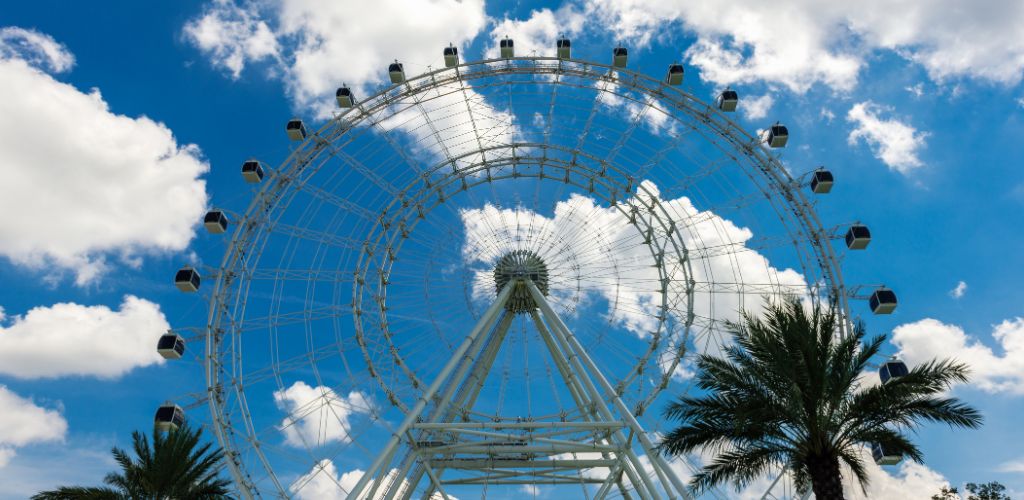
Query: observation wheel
{"type": "Point", "coordinates": [488, 279]}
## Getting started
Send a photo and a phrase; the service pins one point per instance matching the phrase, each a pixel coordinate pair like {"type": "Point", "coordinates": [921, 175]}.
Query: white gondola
{"type": "Point", "coordinates": [187, 279]}
{"type": "Point", "coordinates": [883, 456]}
{"type": "Point", "coordinates": [778, 136]}
{"type": "Point", "coordinates": [345, 97]}
{"type": "Point", "coordinates": [882, 301]}
{"type": "Point", "coordinates": [215, 221]}
{"type": "Point", "coordinates": [727, 100]}
{"type": "Point", "coordinates": [169, 417]}
{"type": "Point", "coordinates": [675, 74]}
{"type": "Point", "coordinates": [252, 171]}
{"type": "Point", "coordinates": [619, 57]}
{"type": "Point", "coordinates": [821, 181]}
{"type": "Point", "coordinates": [858, 237]}
{"type": "Point", "coordinates": [171, 346]}
{"type": "Point", "coordinates": [891, 369]}
{"type": "Point", "coordinates": [451, 56]}
{"type": "Point", "coordinates": [296, 129]}
{"type": "Point", "coordinates": [396, 72]}
{"type": "Point", "coordinates": [508, 49]}
{"type": "Point", "coordinates": [564, 48]}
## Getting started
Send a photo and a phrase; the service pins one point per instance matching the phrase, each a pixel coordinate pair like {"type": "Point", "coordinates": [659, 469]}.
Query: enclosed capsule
{"type": "Point", "coordinates": [252, 171]}
{"type": "Point", "coordinates": [169, 417]}
{"type": "Point", "coordinates": [858, 237]}
{"type": "Point", "coordinates": [187, 279]}
{"type": "Point", "coordinates": [296, 129]}
{"type": "Point", "coordinates": [891, 369]}
{"type": "Point", "coordinates": [619, 57]}
{"type": "Point", "coordinates": [821, 181]}
{"type": "Point", "coordinates": [396, 72]}
{"type": "Point", "coordinates": [215, 221]}
{"type": "Point", "coordinates": [345, 98]}
{"type": "Point", "coordinates": [727, 100]}
{"type": "Point", "coordinates": [507, 48]}
{"type": "Point", "coordinates": [675, 74]}
{"type": "Point", "coordinates": [884, 456]}
{"type": "Point", "coordinates": [171, 346]}
{"type": "Point", "coordinates": [564, 48]}
{"type": "Point", "coordinates": [778, 136]}
{"type": "Point", "coordinates": [882, 301]}
{"type": "Point", "coordinates": [451, 56]}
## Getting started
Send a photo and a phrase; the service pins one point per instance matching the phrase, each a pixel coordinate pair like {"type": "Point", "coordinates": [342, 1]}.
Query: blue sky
{"type": "Point", "coordinates": [123, 122]}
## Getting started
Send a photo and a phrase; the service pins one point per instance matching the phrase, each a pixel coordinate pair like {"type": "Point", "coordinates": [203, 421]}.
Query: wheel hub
{"type": "Point", "coordinates": [518, 265]}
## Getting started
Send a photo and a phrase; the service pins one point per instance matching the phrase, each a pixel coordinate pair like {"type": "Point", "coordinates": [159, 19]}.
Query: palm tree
{"type": "Point", "coordinates": [789, 393]}
{"type": "Point", "coordinates": [176, 466]}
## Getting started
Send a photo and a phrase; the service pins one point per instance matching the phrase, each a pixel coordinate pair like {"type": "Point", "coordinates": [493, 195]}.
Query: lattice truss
{"type": "Point", "coordinates": [354, 282]}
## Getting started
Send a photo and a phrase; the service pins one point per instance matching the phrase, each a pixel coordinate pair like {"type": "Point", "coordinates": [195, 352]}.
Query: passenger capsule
{"type": "Point", "coordinates": [821, 181]}
{"type": "Point", "coordinates": [891, 369]}
{"type": "Point", "coordinates": [187, 279]}
{"type": "Point", "coordinates": [296, 129]}
{"type": "Point", "coordinates": [564, 48]}
{"type": "Point", "coordinates": [882, 301]}
{"type": "Point", "coordinates": [778, 135]}
{"type": "Point", "coordinates": [675, 74]}
{"type": "Point", "coordinates": [884, 456]}
{"type": "Point", "coordinates": [727, 100]}
{"type": "Point", "coordinates": [507, 48]}
{"type": "Point", "coordinates": [169, 417]}
{"type": "Point", "coordinates": [345, 98]}
{"type": "Point", "coordinates": [396, 72]}
{"type": "Point", "coordinates": [252, 171]}
{"type": "Point", "coordinates": [858, 237]}
{"type": "Point", "coordinates": [451, 56]}
{"type": "Point", "coordinates": [215, 221]}
{"type": "Point", "coordinates": [171, 346]}
{"type": "Point", "coordinates": [619, 57]}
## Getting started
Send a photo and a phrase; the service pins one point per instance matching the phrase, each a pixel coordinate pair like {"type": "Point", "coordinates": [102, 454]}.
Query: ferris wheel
{"type": "Point", "coordinates": [489, 278]}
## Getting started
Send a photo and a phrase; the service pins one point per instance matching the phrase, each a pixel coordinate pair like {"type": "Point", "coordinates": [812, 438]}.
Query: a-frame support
{"type": "Point", "coordinates": [601, 433]}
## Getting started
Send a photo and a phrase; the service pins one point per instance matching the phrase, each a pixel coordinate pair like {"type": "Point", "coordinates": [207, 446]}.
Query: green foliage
{"type": "Point", "coordinates": [788, 393]}
{"type": "Point", "coordinates": [175, 466]}
{"type": "Point", "coordinates": [987, 491]}
{"type": "Point", "coordinates": [947, 493]}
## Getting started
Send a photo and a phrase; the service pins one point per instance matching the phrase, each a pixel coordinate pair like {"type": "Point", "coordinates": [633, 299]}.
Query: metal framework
{"type": "Point", "coordinates": [363, 198]}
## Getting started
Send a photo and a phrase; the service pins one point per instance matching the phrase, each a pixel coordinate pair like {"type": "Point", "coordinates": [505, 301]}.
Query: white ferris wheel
{"type": "Point", "coordinates": [489, 278]}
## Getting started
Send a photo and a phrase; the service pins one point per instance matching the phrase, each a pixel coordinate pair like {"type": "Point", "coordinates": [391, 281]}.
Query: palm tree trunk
{"type": "Point", "coordinates": [825, 478]}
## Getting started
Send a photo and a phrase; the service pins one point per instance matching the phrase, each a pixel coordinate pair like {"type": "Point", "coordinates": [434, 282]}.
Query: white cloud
{"type": "Point", "coordinates": [232, 36]}
{"type": "Point", "coordinates": [929, 339]}
{"type": "Point", "coordinates": [892, 141]}
{"type": "Point", "coordinates": [71, 339]}
{"type": "Point", "coordinates": [318, 414]}
{"type": "Point", "coordinates": [757, 107]}
{"type": "Point", "coordinates": [910, 481]}
{"type": "Point", "coordinates": [322, 482]}
{"type": "Point", "coordinates": [538, 33]}
{"type": "Point", "coordinates": [799, 43]}
{"type": "Point", "coordinates": [959, 290]}
{"type": "Point", "coordinates": [87, 182]}
{"type": "Point", "coordinates": [1012, 466]}
{"type": "Point", "coordinates": [23, 422]}
{"type": "Point", "coordinates": [35, 48]}
{"type": "Point", "coordinates": [322, 45]}
{"type": "Point", "coordinates": [717, 249]}
{"type": "Point", "coordinates": [917, 89]}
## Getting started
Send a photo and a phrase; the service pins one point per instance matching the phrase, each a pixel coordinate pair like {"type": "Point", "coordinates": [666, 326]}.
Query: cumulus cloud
{"type": "Point", "coordinates": [71, 339]}
{"type": "Point", "coordinates": [321, 46]}
{"type": "Point", "coordinates": [991, 372]}
{"type": "Point", "coordinates": [538, 33]}
{"type": "Point", "coordinates": [38, 49]}
{"type": "Point", "coordinates": [318, 414]}
{"type": "Point", "coordinates": [959, 290]}
{"type": "Point", "coordinates": [323, 482]}
{"type": "Point", "coordinates": [232, 36]}
{"type": "Point", "coordinates": [799, 44]}
{"type": "Point", "coordinates": [23, 422]}
{"type": "Point", "coordinates": [756, 108]}
{"type": "Point", "coordinates": [892, 141]}
{"type": "Point", "coordinates": [110, 184]}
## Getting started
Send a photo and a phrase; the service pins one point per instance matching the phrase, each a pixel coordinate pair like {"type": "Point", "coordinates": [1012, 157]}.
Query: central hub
{"type": "Point", "coordinates": [516, 265]}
